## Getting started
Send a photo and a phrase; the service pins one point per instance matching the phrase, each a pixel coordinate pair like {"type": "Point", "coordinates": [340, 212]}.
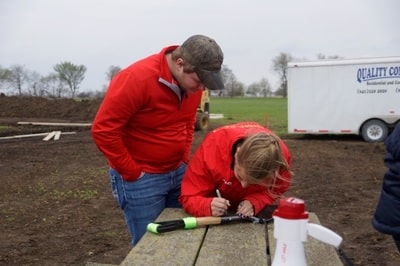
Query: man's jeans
{"type": "Point", "coordinates": [143, 200]}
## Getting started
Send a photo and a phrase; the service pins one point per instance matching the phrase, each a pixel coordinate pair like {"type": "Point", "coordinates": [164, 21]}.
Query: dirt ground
{"type": "Point", "coordinates": [56, 206]}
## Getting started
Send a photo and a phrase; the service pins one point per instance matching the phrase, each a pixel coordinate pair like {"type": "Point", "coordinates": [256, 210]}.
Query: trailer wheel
{"type": "Point", "coordinates": [201, 121]}
{"type": "Point", "coordinates": [374, 131]}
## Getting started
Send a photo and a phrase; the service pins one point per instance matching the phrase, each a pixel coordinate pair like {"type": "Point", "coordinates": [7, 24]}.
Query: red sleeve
{"type": "Point", "coordinates": [198, 187]}
{"type": "Point", "coordinates": [119, 103]}
{"type": "Point", "coordinates": [259, 198]}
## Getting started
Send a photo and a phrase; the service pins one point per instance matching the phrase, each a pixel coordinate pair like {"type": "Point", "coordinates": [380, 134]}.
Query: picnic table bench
{"type": "Point", "coordinates": [225, 244]}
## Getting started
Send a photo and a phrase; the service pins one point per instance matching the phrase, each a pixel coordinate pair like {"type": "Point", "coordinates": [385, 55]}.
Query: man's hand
{"type": "Point", "coordinates": [245, 208]}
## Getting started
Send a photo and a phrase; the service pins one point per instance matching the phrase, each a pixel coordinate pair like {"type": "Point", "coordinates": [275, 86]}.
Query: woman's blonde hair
{"type": "Point", "coordinates": [262, 158]}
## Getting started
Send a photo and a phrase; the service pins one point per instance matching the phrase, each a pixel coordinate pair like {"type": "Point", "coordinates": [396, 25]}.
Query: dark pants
{"type": "Point", "coordinates": [397, 242]}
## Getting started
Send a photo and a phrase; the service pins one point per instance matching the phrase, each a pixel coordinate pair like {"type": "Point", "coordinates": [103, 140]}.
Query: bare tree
{"type": "Point", "coordinates": [71, 74]}
{"type": "Point", "coordinates": [51, 85]}
{"type": "Point", "coordinates": [280, 66]}
{"type": "Point", "coordinates": [18, 77]}
{"type": "Point", "coordinates": [238, 89]}
{"type": "Point", "coordinates": [261, 88]}
{"type": "Point", "coordinates": [265, 87]}
{"type": "Point", "coordinates": [112, 71]}
{"type": "Point", "coordinates": [232, 86]}
{"type": "Point", "coordinates": [33, 84]}
{"type": "Point", "coordinates": [5, 77]}
{"type": "Point", "coordinates": [253, 89]}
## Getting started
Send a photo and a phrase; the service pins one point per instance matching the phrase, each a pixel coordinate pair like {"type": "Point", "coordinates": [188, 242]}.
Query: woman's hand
{"type": "Point", "coordinates": [219, 206]}
{"type": "Point", "coordinates": [245, 208]}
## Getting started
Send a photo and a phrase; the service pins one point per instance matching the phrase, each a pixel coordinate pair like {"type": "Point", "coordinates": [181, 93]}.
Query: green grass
{"type": "Point", "coordinates": [266, 111]}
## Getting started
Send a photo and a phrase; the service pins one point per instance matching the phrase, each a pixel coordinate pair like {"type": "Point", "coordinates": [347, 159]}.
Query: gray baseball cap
{"type": "Point", "coordinates": [205, 55]}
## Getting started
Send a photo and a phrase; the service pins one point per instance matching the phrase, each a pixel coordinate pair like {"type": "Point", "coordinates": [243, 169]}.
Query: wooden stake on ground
{"type": "Point", "coordinates": [49, 136]}
{"type": "Point", "coordinates": [35, 135]}
{"type": "Point", "coordinates": [55, 124]}
{"type": "Point", "coordinates": [266, 123]}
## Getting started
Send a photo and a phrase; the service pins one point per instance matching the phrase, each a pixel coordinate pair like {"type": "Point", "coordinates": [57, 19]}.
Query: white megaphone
{"type": "Point", "coordinates": [291, 228]}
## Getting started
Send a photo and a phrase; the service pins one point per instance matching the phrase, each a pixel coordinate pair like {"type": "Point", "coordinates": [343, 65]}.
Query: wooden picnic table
{"type": "Point", "coordinates": [226, 244]}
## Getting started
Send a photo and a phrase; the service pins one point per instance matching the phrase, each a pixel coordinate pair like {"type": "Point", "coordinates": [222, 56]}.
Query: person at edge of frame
{"type": "Point", "coordinates": [145, 126]}
{"type": "Point", "coordinates": [386, 218]}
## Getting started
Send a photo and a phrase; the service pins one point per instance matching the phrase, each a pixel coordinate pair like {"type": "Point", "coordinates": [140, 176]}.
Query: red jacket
{"type": "Point", "coordinates": [145, 123]}
{"type": "Point", "coordinates": [210, 168]}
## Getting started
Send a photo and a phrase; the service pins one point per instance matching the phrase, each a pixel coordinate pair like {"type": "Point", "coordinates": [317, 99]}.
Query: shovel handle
{"type": "Point", "coordinates": [167, 226]}
{"type": "Point", "coordinates": [190, 223]}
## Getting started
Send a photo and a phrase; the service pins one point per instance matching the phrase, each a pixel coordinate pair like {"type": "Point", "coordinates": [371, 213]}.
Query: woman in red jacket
{"type": "Point", "coordinates": [246, 163]}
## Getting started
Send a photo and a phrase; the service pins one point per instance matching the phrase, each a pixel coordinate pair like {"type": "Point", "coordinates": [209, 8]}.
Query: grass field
{"type": "Point", "coordinates": [271, 112]}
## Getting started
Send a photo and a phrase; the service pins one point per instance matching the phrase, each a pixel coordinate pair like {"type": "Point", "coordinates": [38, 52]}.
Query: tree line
{"type": "Point", "coordinates": [67, 77]}
{"type": "Point", "coordinates": [63, 82]}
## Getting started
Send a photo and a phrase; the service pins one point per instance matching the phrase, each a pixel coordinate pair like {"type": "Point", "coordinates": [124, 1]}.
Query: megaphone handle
{"type": "Point", "coordinates": [324, 234]}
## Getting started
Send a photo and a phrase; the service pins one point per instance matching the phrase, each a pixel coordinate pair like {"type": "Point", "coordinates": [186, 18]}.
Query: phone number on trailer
{"type": "Point", "coordinates": [371, 91]}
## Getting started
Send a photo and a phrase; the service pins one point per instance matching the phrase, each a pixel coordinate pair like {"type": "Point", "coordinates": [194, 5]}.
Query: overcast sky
{"type": "Point", "coordinates": [99, 33]}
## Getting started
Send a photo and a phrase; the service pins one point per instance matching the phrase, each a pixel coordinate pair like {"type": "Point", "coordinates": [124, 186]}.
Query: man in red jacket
{"type": "Point", "coordinates": [245, 162]}
{"type": "Point", "coordinates": [145, 126]}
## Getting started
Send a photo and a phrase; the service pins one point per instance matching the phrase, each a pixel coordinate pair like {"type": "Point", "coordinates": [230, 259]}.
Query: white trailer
{"type": "Point", "coordinates": [347, 96]}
